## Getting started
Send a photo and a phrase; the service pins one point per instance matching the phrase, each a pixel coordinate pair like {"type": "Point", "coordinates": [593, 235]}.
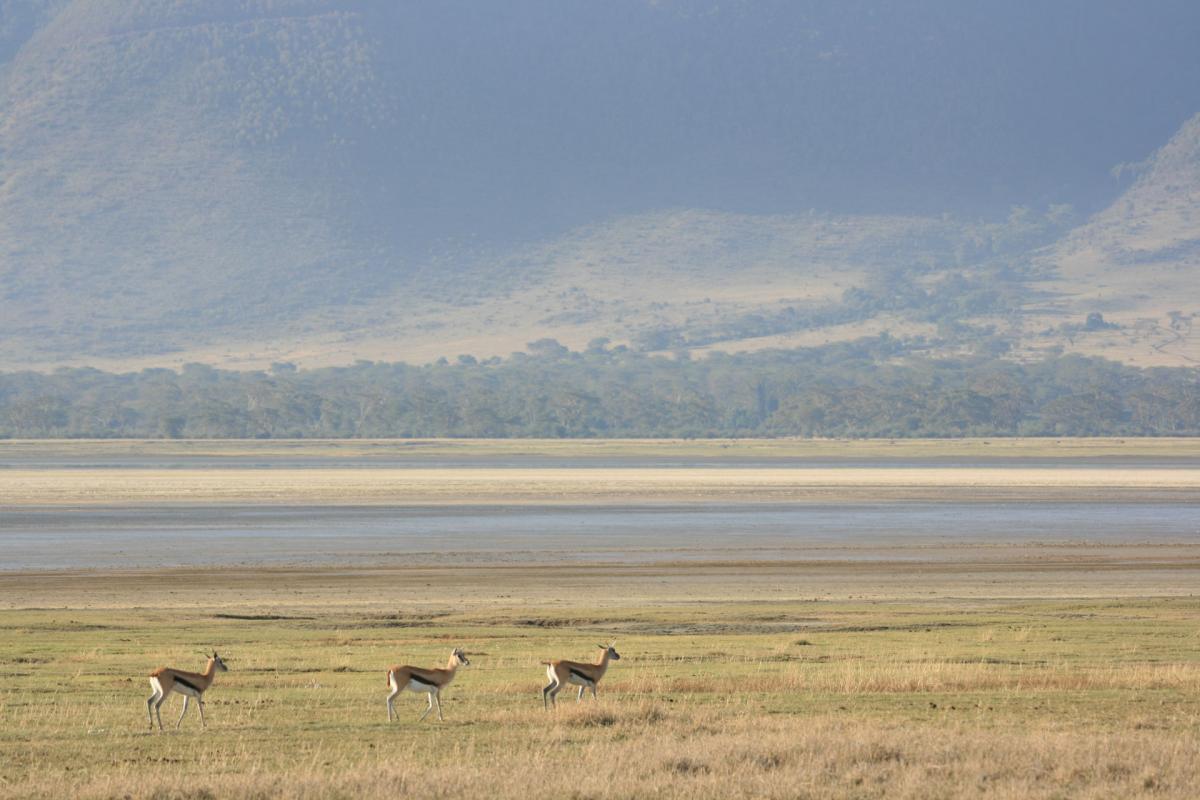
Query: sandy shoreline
{"type": "Point", "coordinates": [23, 487]}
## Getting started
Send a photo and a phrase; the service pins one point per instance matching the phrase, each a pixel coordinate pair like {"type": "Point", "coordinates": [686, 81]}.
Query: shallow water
{"type": "Point", "coordinates": [139, 536]}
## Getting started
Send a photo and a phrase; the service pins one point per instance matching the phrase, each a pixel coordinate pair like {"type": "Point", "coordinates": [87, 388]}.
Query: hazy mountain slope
{"type": "Point", "coordinates": [1138, 263]}
{"type": "Point", "coordinates": [633, 276]}
{"type": "Point", "coordinates": [134, 198]}
{"type": "Point", "coordinates": [240, 180]}
{"type": "Point", "coordinates": [685, 279]}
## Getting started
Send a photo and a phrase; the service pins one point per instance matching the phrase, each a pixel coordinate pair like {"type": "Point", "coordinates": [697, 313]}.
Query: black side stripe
{"type": "Point", "coordinates": [579, 674]}
{"type": "Point", "coordinates": [412, 677]}
{"type": "Point", "coordinates": [189, 684]}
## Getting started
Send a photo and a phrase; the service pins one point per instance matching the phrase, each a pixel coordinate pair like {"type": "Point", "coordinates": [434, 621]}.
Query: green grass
{"type": "Point", "coordinates": [715, 696]}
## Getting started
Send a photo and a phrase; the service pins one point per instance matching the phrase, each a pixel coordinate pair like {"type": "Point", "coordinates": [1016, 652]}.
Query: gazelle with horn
{"type": "Point", "coordinates": [165, 680]}
{"type": "Point", "coordinates": [429, 681]}
{"type": "Point", "coordinates": [583, 675]}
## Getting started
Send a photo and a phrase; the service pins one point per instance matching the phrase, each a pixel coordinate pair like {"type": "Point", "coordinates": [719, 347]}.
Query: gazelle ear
{"type": "Point", "coordinates": [602, 646]}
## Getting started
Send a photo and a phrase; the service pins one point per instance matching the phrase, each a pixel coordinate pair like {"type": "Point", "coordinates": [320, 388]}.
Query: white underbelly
{"type": "Point", "coordinates": [578, 680]}
{"type": "Point", "coordinates": [189, 691]}
{"type": "Point", "coordinates": [417, 686]}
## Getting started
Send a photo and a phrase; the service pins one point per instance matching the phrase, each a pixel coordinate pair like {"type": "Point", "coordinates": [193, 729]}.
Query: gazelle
{"type": "Point", "coordinates": [165, 680]}
{"type": "Point", "coordinates": [429, 681]}
{"type": "Point", "coordinates": [585, 676]}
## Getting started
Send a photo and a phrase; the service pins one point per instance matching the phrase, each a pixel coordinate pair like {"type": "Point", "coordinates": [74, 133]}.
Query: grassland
{"type": "Point", "coordinates": [736, 680]}
{"type": "Point", "coordinates": [1020, 669]}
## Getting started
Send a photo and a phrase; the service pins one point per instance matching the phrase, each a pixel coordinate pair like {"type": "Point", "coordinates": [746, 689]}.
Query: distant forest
{"type": "Point", "coordinates": [872, 387]}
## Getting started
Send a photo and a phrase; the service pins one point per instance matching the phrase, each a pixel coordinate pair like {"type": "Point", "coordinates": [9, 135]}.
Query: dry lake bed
{"type": "Point", "coordinates": [1002, 618]}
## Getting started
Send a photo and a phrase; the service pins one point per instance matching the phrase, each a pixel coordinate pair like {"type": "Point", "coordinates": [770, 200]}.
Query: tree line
{"type": "Point", "coordinates": [872, 387]}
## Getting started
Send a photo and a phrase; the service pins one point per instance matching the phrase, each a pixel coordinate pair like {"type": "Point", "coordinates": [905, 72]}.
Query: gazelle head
{"type": "Point", "coordinates": [460, 658]}
{"type": "Point", "coordinates": [218, 662]}
{"type": "Point", "coordinates": [611, 650]}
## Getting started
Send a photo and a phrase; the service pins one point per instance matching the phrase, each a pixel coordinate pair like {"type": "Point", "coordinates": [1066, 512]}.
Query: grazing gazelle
{"type": "Point", "coordinates": [429, 681]}
{"type": "Point", "coordinates": [165, 680]}
{"type": "Point", "coordinates": [585, 676]}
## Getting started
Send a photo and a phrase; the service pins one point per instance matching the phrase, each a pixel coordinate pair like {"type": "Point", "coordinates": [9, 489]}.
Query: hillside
{"type": "Point", "coordinates": [140, 203]}
{"type": "Point", "coordinates": [686, 279]}
{"type": "Point", "coordinates": [1138, 263]}
{"type": "Point", "coordinates": [243, 182]}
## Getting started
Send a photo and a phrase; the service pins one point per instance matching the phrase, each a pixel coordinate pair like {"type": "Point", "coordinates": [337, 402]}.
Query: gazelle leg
{"type": "Point", "coordinates": [545, 694]}
{"type": "Point", "coordinates": [158, 709]}
{"type": "Point", "coordinates": [179, 721]}
{"type": "Point", "coordinates": [427, 710]}
{"type": "Point", "coordinates": [150, 708]}
{"type": "Point", "coordinates": [593, 691]}
{"type": "Point", "coordinates": [579, 696]}
{"type": "Point", "coordinates": [554, 695]}
{"type": "Point", "coordinates": [437, 698]}
{"type": "Point", "coordinates": [200, 703]}
{"type": "Point", "coordinates": [394, 686]}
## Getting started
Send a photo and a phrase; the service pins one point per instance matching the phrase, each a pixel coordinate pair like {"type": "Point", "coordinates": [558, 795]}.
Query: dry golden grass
{"type": "Point", "coordinates": [934, 676]}
{"type": "Point", "coordinates": [648, 750]}
{"type": "Point", "coordinates": [724, 689]}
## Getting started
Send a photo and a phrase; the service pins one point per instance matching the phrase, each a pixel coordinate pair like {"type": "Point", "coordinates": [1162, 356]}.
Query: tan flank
{"type": "Point", "coordinates": [579, 673]}
{"type": "Point", "coordinates": [165, 680]}
{"type": "Point", "coordinates": [429, 681]}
